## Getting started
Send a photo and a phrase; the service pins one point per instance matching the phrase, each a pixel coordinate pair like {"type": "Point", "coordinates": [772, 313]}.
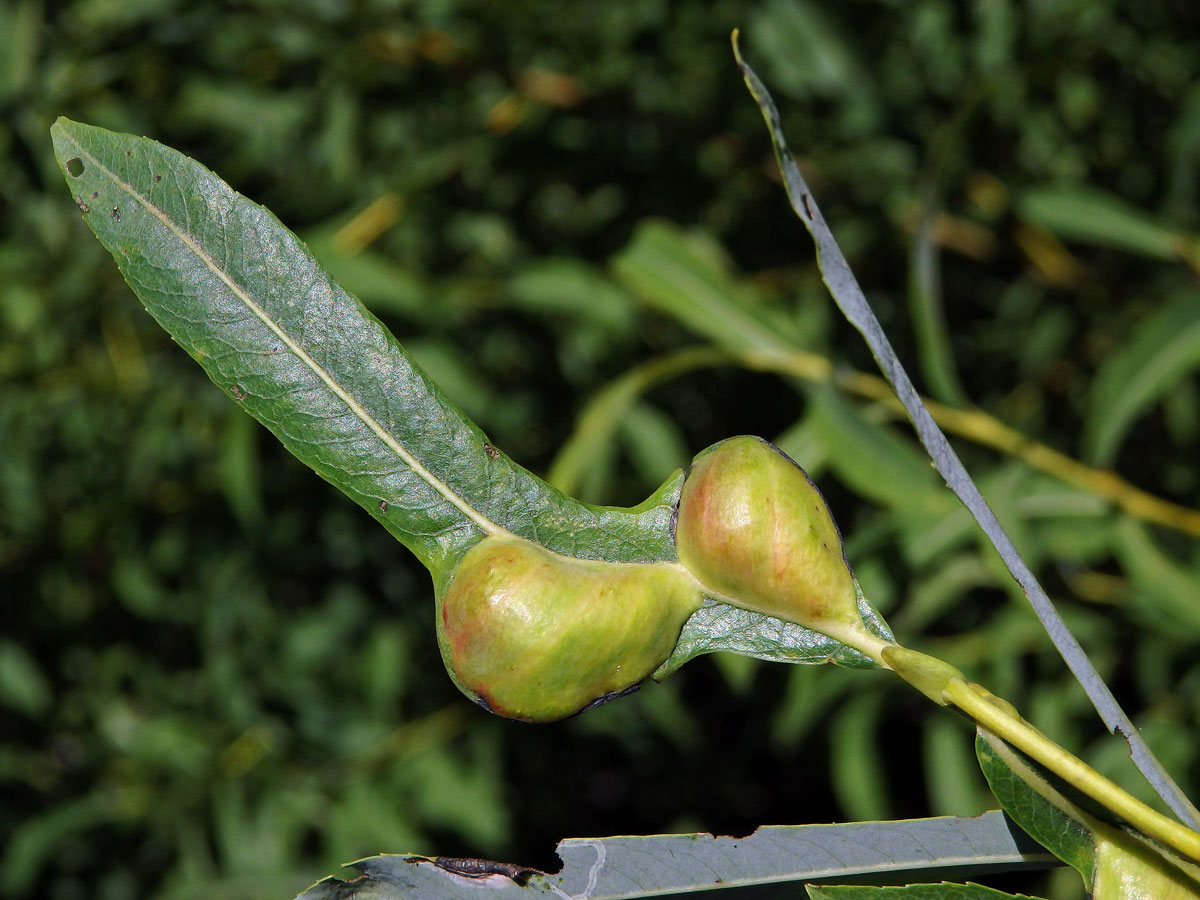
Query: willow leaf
{"type": "Point", "coordinates": [623, 868]}
{"type": "Point", "coordinates": [1159, 352]}
{"type": "Point", "coordinates": [718, 626]}
{"type": "Point", "coordinates": [248, 301]}
{"type": "Point", "coordinates": [851, 300]}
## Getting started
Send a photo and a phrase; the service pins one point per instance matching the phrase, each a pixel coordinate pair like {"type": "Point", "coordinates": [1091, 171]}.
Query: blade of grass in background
{"type": "Point", "coordinates": [248, 302]}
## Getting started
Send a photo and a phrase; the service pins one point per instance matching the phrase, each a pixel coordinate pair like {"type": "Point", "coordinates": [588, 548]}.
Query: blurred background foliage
{"type": "Point", "coordinates": [219, 678]}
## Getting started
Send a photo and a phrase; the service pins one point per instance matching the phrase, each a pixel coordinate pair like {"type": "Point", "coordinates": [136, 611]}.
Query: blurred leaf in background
{"type": "Point", "coordinates": [218, 677]}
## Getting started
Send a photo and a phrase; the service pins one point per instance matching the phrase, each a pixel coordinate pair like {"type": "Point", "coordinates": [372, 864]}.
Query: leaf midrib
{"type": "Point", "coordinates": [192, 244]}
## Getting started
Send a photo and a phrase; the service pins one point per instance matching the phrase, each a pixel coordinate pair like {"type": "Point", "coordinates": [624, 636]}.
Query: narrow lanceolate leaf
{"type": "Point", "coordinates": [1035, 804]}
{"type": "Point", "coordinates": [245, 298]}
{"type": "Point", "coordinates": [1116, 861]}
{"type": "Point", "coordinates": [656, 865]}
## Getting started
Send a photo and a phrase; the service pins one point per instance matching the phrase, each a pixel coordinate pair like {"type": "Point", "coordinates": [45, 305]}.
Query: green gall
{"type": "Point", "coordinates": [1127, 868]}
{"type": "Point", "coordinates": [537, 636]}
{"type": "Point", "coordinates": [754, 530]}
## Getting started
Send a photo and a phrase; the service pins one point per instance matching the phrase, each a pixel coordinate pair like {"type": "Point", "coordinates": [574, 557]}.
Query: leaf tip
{"type": "Point", "coordinates": [737, 50]}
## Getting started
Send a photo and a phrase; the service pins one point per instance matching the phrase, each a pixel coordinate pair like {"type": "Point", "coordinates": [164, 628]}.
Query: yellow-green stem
{"type": "Point", "coordinates": [997, 716]}
{"type": "Point", "coordinates": [944, 684]}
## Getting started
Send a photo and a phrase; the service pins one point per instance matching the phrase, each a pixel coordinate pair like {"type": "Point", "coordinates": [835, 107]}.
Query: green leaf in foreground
{"type": "Point", "coordinates": [247, 300]}
{"type": "Point", "coordinates": [1163, 348]}
{"type": "Point", "coordinates": [628, 867]}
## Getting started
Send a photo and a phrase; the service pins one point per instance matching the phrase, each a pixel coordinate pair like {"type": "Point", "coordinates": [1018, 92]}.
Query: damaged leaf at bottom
{"type": "Point", "coordinates": [656, 865]}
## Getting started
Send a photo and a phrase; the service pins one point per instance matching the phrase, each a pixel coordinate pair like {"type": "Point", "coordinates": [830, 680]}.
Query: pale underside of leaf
{"type": "Point", "coordinates": [248, 301]}
{"type": "Point", "coordinates": [718, 626]}
{"type": "Point", "coordinates": [655, 865]}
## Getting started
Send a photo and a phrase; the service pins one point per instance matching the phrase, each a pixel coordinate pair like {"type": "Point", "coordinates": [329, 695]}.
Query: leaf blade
{"type": "Point", "coordinates": [652, 865]}
{"type": "Point", "coordinates": [943, 891]}
{"type": "Point", "coordinates": [1044, 814]}
{"type": "Point", "coordinates": [846, 292]}
{"type": "Point", "coordinates": [331, 361]}
{"type": "Point", "coordinates": [1092, 216]}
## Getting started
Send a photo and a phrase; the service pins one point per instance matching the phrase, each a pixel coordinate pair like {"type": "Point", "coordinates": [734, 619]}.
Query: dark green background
{"type": "Point", "coordinates": [219, 678]}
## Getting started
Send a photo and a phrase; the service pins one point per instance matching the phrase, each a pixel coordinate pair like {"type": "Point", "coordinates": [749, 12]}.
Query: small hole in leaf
{"type": "Point", "coordinates": [75, 167]}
